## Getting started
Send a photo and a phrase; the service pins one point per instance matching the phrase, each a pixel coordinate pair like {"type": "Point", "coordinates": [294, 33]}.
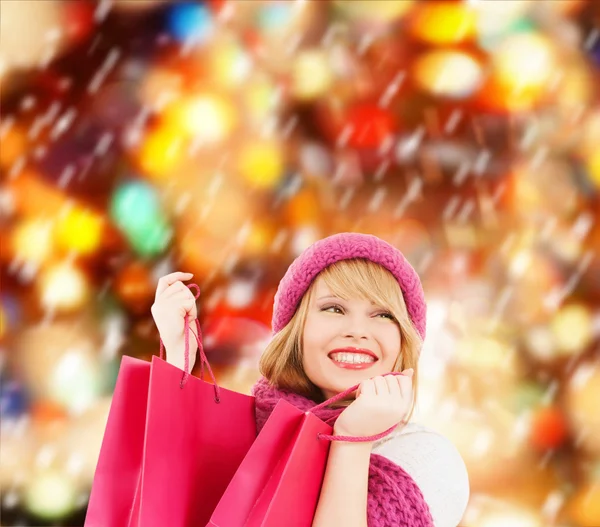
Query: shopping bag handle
{"type": "Point", "coordinates": [354, 439]}
{"type": "Point", "coordinates": [186, 355]}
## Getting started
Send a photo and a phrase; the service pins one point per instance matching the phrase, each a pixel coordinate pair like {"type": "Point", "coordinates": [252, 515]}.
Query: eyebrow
{"type": "Point", "coordinates": [338, 298]}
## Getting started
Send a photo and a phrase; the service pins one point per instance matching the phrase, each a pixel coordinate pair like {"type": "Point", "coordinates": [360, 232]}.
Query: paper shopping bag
{"type": "Point", "coordinates": [194, 443]}
{"type": "Point", "coordinates": [120, 460]}
{"type": "Point", "coordinates": [280, 479]}
{"type": "Point", "coordinates": [172, 444]}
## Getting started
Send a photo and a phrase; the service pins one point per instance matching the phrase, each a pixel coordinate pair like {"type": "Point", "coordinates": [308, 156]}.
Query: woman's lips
{"type": "Point", "coordinates": [353, 366]}
{"type": "Point", "coordinates": [349, 359]}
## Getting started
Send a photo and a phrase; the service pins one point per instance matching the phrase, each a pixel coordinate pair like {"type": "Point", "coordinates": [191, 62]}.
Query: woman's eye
{"type": "Point", "coordinates": [387, 315]}
{"type": "Point", "coordinates": [336, 309]}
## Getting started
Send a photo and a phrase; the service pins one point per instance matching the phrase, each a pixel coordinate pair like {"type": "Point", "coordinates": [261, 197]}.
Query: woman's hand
{"type": "Point", "coordinates": [381, 402]}
{"type": "Point", "coordinates": [172, 303]}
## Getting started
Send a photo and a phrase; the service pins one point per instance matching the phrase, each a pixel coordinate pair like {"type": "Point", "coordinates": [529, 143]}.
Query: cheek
{"type": "Point", "coordinates": [317, 331]}
{"type": "Point", "coordinates": [310, 341]}
{"type": "Point", "coordinates": [391, 341]}
{"type": "Point", "coordinates": [312, 346]}
{"type": "Point", "coordinates": [316, 340]}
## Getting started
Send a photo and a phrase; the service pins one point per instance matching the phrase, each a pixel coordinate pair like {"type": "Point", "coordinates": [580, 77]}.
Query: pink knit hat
{"type": "Point", "coordinates": [344, 246]}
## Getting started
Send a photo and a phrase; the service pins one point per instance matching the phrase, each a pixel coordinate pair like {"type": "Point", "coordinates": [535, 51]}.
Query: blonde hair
{"type": "Point", "coordinates": [281, 362]}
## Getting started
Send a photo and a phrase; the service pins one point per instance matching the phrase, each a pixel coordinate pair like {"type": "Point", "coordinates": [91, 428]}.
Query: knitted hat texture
{"type": "Point", "coordinates": [344, 246]}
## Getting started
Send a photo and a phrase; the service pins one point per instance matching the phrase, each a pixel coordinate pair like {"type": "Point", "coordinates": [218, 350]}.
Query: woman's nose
{"type": "Point", "coordinates": [356, 328]}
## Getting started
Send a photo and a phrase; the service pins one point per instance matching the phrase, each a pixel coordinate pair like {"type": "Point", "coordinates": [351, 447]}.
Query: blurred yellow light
{"type": "Point", "coordinates": [80, 230]}
{"type": "Point", "coordinates": [527, 195]}
{"type": "Point", "coordinates": [565, 245]}
{"type": "Point", "coordinates": [50, 495]}
{"type": "Point", "coordinates": [540, 343]}
{"type": "Point", "coordinates": [260, 99]}
{"type": "Point", "coordinates": [311, 74]}
{"type": "Point", "coordinates": [487, 354]}
{"type": "Point", "coordinates": [2, 322]}
{"type": "Point", "coordinates": [259, 237]}
{"type": "Point", "coordinates": [593, 166]}
{"type": "Point", "coordinates": [584, 507]}
{"type": "Point", "coordinates": [229, 64]}
{"type": "Point", "coordinates": [208, 118]}
{"type": "Point", "coordinates": [262, 164]}
{"type": "Point", "coordinates": [374, 10]}
{"type": "Point", "coordinates": [448, 73]}
{"type": "Point", "coordinates": [591, 137]}
{"type": "Point", "coordinates": [63, 287]}
{"type": "Point", "coordinates": [443, 22]}
{"type": "Point", "coordinates": [493, 17]}
{"type": "Point", "coordinates": [515, 518]}
{"type": "Point", "coordinates": [572, 327]}
{"type": "Point", "coordinates": [500, 97]}
{"type": "Point", "coordinates": [32, 241]}
{"type": "Point", "coordinates": [531, 196]}
{"type": "Point", "coordinates": [524, 64]}
{"type": "Point", "coordinates": [581, 399]}
{"type": "Point", "coordinates": [161, 152]}
{"type": "Point", "coordinates": [576, 87]}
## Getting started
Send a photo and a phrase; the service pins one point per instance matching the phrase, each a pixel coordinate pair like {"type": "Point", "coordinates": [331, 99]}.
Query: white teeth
{"type": "Point", "coordinates": [352, 358]}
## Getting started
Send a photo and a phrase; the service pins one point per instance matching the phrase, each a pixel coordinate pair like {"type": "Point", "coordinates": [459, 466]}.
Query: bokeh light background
{"type": "Point", "coordinates": [223, 137]}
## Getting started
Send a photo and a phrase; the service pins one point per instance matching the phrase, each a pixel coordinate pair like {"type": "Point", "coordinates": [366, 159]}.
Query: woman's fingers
{"type": "Point", "coordinates": [165, 281]}
{"type": "Point", "coordinates": [178, 296]}
{"type": "Point", "coordinates": [405, 385]}
{"type": "Point", "coordinates": [190, 306]}
{"type": "Point", "coordinates": [393, 384]}
{"type": "Point", "coordinates": [177, 288]}
{"type": "Point", "coordinates": [366, 388]}
{"type": "Point", "coordinates": [381, 386]}
{"type": "Point", "coordinates": [185, 302]}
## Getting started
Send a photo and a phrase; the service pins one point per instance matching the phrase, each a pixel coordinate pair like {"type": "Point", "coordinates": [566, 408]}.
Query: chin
{"type": "Point", "coordinates": [332, 379]}
{"type": "Point", "coordinates": [340, 384]}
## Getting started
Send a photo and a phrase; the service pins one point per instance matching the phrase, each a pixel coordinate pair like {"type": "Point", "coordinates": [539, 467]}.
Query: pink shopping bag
{"type": "Point", "coordinates": [287, 458]}
{"type": "Point", "coordinates": [280, 479]}
{"type": "Point", "coordinates": [185, 439]}
{"type": "Point", "coordinates": [195, 440]}
{"type": "Point", "coordinates": [118, 468]}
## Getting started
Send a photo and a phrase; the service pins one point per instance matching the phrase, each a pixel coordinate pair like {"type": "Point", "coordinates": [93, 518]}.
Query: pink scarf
{"type": "Point", "coordinates": [394, 498]}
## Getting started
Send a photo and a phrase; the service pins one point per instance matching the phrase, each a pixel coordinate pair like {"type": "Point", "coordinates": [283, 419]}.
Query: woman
{"type": "Point", "coordinates": [349, 310]}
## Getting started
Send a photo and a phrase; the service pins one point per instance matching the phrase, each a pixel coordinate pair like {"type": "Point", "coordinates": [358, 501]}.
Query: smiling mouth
{"type": "Point", "coordinates": [352, 360]}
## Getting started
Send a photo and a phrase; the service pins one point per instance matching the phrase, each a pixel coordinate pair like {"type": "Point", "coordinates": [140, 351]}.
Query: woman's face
{"type": "Point", "coordinates": [346, 341]}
